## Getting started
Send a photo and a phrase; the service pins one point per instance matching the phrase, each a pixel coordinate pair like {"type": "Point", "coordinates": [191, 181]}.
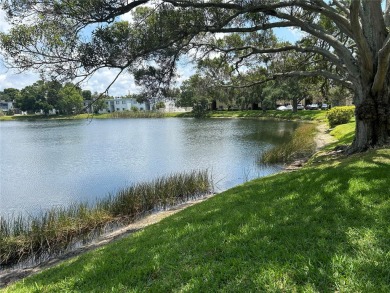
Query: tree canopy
{"type": "Point", "coordinates": [344, 41]}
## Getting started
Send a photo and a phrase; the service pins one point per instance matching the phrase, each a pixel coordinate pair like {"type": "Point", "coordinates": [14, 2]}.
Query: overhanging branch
{"type": "Point", "coordinates": [315, 73]}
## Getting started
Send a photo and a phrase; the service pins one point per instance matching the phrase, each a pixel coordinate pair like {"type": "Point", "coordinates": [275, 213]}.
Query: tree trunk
{"type": "Point", "coordinates": [295, 104]}
{"type": "Point", "coordinates": [372, 121]}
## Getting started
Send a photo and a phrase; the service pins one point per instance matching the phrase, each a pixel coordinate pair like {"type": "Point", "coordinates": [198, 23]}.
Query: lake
{"type": "Point", "coordinates": [54, 163]}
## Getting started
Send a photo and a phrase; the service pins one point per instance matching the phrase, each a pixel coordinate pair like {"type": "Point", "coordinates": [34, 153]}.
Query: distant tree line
{"type": "Point", "coordinates": [47, 96]}
{"type": "Point", "coordinates": [199, 91]}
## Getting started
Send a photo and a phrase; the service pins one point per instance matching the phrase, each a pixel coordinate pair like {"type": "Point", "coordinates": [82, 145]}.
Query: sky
{"type": "Point", "coordinates": [98, 83]}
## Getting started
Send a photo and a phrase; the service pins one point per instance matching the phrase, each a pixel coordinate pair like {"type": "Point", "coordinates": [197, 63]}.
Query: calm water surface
{"type": "Point", "coordinates": [54, 163]}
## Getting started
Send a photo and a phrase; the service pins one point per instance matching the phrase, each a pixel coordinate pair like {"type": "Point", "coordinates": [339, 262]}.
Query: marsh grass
{"type": "Point", "coordinates": [301, 145]}
{"type": "Point", "coordinates": [24, 238]}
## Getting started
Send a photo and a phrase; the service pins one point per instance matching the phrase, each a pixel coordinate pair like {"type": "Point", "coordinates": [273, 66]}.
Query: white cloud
{"type": "Point", "coordinates": [296, 32]}
{"type": "Point", "coordinates": [97, 83]}
{"type": "Point", "coordinates": [185, 69]}
{"type": "Point", "coordinates": [4, 25]}
{"type": "Point", "coordinates": [127, 17]}
{"type": "Point", "coordinates": [104, 77]}
{"type": "Point", "coordinates": [288, 34]}
{"type": "Point", "coordinates": [10, 79]}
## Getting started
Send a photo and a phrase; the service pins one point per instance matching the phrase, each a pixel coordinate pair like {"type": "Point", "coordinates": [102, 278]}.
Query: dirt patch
{"type": "Point", "coordinates": [323, 137]}
{"type": "Point", "coordinates": [9, 276]}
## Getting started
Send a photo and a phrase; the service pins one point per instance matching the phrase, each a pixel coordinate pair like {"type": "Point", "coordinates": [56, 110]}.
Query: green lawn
{"type": "Point", "coordinates": [300, 115]}
{"type": "Point", "coordinates": [317, 115]}
{"type": "Point", "coordinates": [51, 117]}
{"type": "Point", "coordinates": [324, 228]}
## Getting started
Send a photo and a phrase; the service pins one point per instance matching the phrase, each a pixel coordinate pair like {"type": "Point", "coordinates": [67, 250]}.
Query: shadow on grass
{"type": "Point", "coordinates": [313, 230]}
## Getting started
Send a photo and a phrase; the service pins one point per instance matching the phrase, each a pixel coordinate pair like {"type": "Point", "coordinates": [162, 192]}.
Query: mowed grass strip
{"type": "Point", "coordinates": [321, 229]}
{"type": "Point", "coordinates": [310, 115]}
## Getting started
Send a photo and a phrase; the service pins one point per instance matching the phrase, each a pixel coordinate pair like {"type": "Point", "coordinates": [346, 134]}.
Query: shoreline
{"type": "Point", "coordinates": [304, 115]}
{"type": "Point", "coordinates": [9, 276]}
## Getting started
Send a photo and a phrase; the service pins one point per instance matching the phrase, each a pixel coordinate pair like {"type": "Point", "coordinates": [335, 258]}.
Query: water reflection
{"type": "Point", "coordinates": [53, 163]}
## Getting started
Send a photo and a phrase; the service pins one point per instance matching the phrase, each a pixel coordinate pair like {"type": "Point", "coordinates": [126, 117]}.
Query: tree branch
{"type": "Point", "coordinates": [313, 49]}
{"type": "Point", "coordinates": [342, 51]}
{"type": "Point", "coordinates": [383, 67]}
{"type": "Point", "coordinates": [328, 11]}
{"type": "Point", "coordinates": [341, 6]}
{"type": "Point", "coordinates": [262, 27]}
{"type": "Point", "coordinates": [361, 41]}
{"type": "Point", "coordinates": [323, 73]}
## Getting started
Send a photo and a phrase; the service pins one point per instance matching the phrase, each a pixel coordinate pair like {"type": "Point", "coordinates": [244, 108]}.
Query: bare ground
{"type": "Point", "coordinates": [322, 137]}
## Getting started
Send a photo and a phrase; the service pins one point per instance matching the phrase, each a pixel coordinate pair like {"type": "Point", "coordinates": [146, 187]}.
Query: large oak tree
{"type": "Point", "coordinates": [74, 38]}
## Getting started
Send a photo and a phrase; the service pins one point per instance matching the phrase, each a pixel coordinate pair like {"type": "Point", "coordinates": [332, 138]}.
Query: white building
{"type": "Point", "coordinates": [6, 106]}
{"type": "Point", "coordinates": [170, 107]}
{"type": "Point", "coordinates": [123, 104]}
{"type": "Point", "coordinates": [128, 104]}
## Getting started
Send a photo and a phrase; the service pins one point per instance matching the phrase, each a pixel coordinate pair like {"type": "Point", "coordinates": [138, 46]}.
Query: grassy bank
{"type": "Point", "coordinates": [288, 115]}
{"type": "Point", "coordinates": [317, 115]}
{"type": "Point", "coordinates": [323, 228]}
{"type": "Point", "coordinates": [115, 115]}
{"type": "Point", "coordinates": [24, 238]}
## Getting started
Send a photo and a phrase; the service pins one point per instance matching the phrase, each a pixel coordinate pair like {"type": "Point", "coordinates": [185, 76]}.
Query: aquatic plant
{"type": "Point", "coordinates": [55, 231]}
{"type": "Point", "coordinates": [300, 145]}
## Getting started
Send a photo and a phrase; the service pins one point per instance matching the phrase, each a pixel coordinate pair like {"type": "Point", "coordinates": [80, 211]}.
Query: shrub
{"type": "Point", "coordinates": [160, 105]}
{"type": "Point", "coordinates": [340, 115]}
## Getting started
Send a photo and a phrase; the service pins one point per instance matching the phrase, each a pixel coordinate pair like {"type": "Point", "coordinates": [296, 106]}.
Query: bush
{"type": "Point", "coordinates": [340, 115]}
{"type": "Point", "coordinates": [160, 105]}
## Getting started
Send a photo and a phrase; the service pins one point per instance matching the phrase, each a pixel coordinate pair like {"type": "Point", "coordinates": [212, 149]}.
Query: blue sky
{"type": "Point", "coordinates": [98, 83]}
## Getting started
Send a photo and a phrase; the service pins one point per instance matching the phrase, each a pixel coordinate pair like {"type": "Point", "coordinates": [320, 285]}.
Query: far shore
{"type": "Point", "coordinates": [306, 115]}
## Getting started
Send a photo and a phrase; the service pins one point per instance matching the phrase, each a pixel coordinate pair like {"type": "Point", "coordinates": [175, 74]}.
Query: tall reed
{"type": "Point", "coordinates": [301, 145]}
{"type": "Point", "coordinates": [55, 231]}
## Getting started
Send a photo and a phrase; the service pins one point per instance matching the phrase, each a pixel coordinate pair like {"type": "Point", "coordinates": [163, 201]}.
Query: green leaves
{"type": "Point", "coordinates": [71, 99]}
